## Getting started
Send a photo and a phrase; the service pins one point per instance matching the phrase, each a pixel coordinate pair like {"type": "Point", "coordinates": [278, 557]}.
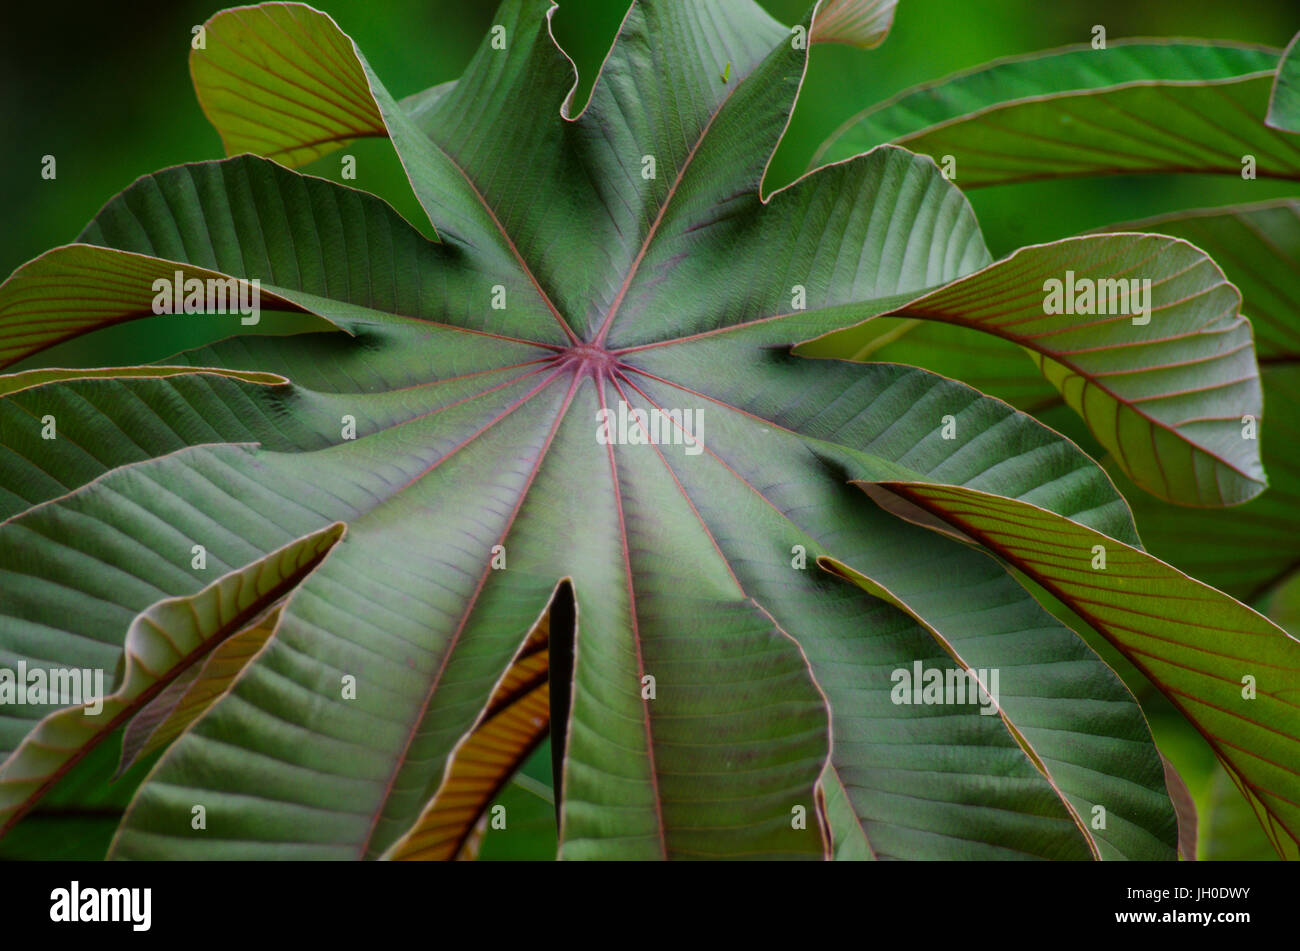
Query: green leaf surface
{"type": "Point", "coordinates": [75, 289]}
{"type": "Point", "coordinates": [847, 833]}
{"type": "Point", "coordinates": [1137, 106]}
{"type": "Point", "coordinates": [1229, 670]}
{"type": "Point", "coordinates": [1258, 248]}
{"type": "Point", "coordinates": [1036, 718]}
{"type": "Point", "coordinates": [729, 697]}
{"type": "Point", "coordinates": [1284, 103]}
{"type": "Point", "coordinates": [283, 81]}
{"type": "Point", "coordinates": [161, 643]}
{"type": "Point", "coordinates": [77, 818]}
{"type": "Point", "coordinates": [1160, 388]}
{"type": "Point", "coordinates": [1256, 549]}
{"type": "Point", "coordinates": [189, 696]}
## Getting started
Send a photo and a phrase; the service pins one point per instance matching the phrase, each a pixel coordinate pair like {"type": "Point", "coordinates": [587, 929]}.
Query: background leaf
{"type": "Point", "coordinates": [1134, 107]}
{"type": "Point", "coordinates": [1165, 396]}
{"type": "Point", "coordinates": [1284, 103]}
{"type": "Point", "coordinates": [1255, 549]}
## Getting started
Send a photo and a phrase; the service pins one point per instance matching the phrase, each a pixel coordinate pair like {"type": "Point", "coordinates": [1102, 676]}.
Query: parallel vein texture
{"type": "Point", "coordinates": [162, 642]}
{"type": "Point", "coordinates": [1137, 106]}
{"type": "Point", "coordinates": [1251, 555]}
{"type": "Point", "coordinates": [1202, 666]}
{"type": "Point", "coordinates": [512, 725]}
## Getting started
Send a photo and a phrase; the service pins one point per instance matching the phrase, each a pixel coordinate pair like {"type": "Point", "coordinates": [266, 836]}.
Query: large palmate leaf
{"type": "Point", "coordinates": [584, 389]}
{"type": "Point", "coordinates": [1136, 106]}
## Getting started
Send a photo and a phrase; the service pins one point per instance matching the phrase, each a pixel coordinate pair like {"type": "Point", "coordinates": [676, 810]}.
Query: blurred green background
{"type": "Point", "coordinates": [105, 88]}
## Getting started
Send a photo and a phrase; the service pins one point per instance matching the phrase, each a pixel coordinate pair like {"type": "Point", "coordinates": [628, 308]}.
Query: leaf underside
{"type": "Point", "coordinates": [730, 697]}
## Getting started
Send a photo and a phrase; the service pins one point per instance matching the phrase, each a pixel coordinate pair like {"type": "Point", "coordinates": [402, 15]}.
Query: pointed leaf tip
{"type": "Point", "coordinates": [861, 23]}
